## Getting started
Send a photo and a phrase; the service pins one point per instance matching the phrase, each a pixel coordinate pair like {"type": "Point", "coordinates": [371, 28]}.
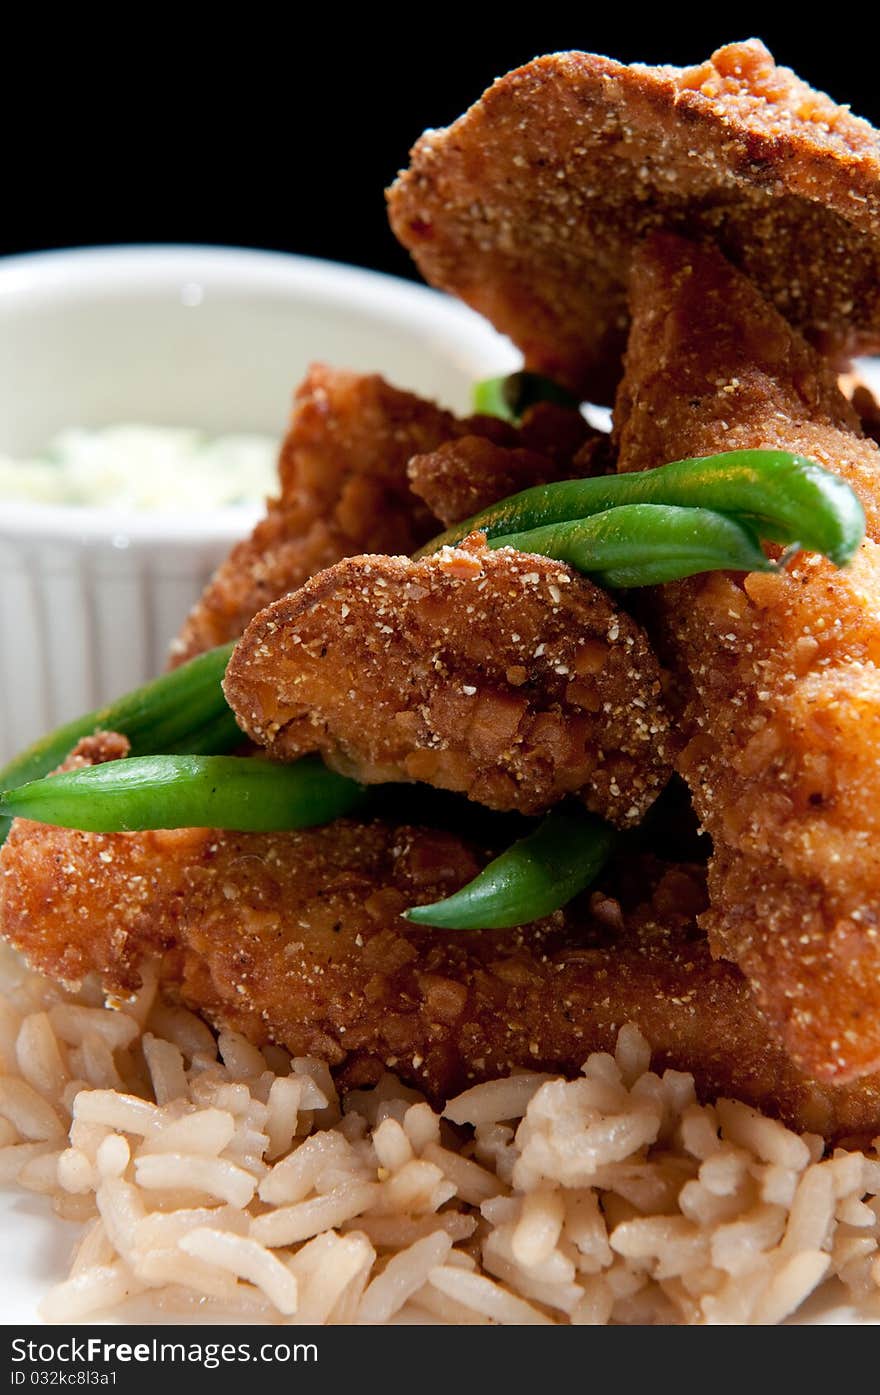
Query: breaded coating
{"type": "Point", "coordinates": [777, 675]}
{"type": "Point", "coordinates": [547, 428]}
{"type": "Point", "coordinates": [343, 490]}
{"type": "Point", "coordinates": [501, 675]}
{"type": "Point", "coordinates": [297, 938]}
{"type": "Point", "coordinates": [529, 206]}
{"type": "Point", "coordinates": [468, 474]}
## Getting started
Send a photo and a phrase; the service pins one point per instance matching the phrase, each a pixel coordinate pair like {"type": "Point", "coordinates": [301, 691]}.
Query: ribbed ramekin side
{"type": "Point", "coordinates": [81, 625]}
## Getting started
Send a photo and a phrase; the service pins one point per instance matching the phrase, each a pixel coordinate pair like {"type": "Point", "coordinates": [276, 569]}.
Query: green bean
{"type": "Point", "coordinates": [218, 735]}
{"type": "Point", "coordinates": [785, 498]}
{"type": "Point", "coordinates": [645, 544]}
{"type": "Point", "coordinates": [511, 397]}
{"type": "Point", "coordinates": [531, 879]}
{"type": "Point", "coordinates": [141, 792]}
{"type": "Point", "coordinates": [184, 710]}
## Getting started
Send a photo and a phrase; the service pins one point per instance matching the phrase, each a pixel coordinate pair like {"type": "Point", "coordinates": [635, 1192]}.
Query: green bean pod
{"type": "Point", "coordinates": [141, 792]}
{"type": "Point", "coordinates": [784, 497]}
{"type": "Point", "coordinates": [532, 878]}
{"type": "Point", "coordinates": [184, 710]}
{"type": "Point", "coordinates": [217, 736]}
{"type": "Point", "coordinates": [645, 544]}
{"type": "Point", "coordinates": [511, 397]}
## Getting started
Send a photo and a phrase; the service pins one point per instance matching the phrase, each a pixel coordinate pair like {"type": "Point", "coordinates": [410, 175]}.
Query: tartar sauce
{"type": "Point", "coordinates": [144, 468]}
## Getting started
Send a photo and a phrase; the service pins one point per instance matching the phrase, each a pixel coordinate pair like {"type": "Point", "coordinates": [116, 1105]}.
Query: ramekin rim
{"type": "Point", "coordinates": [50, 271]}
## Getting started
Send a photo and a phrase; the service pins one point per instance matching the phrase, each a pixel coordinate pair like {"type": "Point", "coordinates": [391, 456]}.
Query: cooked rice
{"type": "Point", "coordinates": [215, 1181]}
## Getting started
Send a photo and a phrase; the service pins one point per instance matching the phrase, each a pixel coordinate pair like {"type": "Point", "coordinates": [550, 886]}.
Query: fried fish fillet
{"type": "Point", "coordinates": [466, 475]}
{"type": "Point", "coordinates": [777, 675]}
{"type": "Point", "coordinates": [297, 938]}
{"type": "Point", "coordinates": [528, 207]}
{"type": "Point", "coordinates": [343, 490]}
{"type": "Point", "coordinates": [471, 472]}
{"type": "Point", "coordinates": [557, 433]}
{"type": "Point", "coordinates": [500, 675]}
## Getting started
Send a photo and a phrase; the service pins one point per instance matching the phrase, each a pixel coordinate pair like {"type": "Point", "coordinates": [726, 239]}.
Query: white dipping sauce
{"type": "Point", "coordinates": [151, 469]}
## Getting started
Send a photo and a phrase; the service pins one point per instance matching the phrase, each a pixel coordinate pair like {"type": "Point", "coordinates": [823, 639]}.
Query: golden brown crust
{"type": "Point", "coordinates": [501, 675]}
{"type": "Point", "coordinates": [297, 938]}
{"type": "Point", "coordinates": [471, 471]}
{"type": "Point", "coordinates": [343, 490]}
{"type": "Point", "coordinates": [464, 476]}
{"type": "Point", "coordinates": [528, 207]}
{"type": "Point", "coordinates": [777, 676]}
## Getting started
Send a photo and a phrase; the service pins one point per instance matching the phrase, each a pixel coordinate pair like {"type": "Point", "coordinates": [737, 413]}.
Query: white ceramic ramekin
{"type": "Point", "coordinates": [206, 337]}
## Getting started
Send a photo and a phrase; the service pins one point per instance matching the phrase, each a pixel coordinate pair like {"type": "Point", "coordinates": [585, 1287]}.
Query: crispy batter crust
{"type": "Point", "coordinates": [528, 206]}
{"type": "Point", "coordinates": [343, 490]}
{"type": "Point", "coordinates": [501, 675]}
{"type": "Point", "coordinates": [470, 472]}
{"type": "Point", "coordinates": [297, 938]}
{"type": "Point", "coordinates": [778, 676]}
{"type": "Point", "coordinates": [466, 475]}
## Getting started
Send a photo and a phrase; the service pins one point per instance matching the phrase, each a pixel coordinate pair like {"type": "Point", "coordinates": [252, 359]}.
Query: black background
{"type": "Point", "coordinates": [273, 128]}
